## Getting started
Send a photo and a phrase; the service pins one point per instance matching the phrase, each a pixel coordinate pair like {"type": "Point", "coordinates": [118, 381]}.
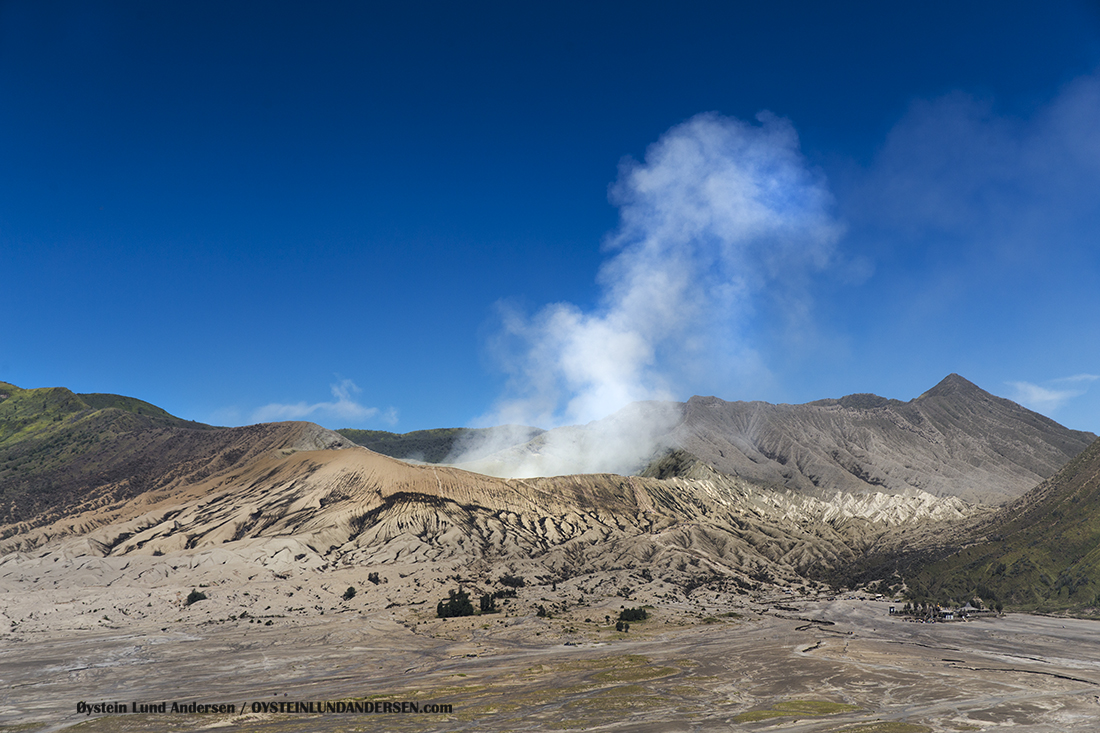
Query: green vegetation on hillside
{"type": "Point", "coordinates": [137, 407]}
{"type": "Point", "coordinates": [31, 413]}
{"type": "Point", "coordinates": [1042, 554]}
{"type": "Point", "coordinates": [434, 446]}
{"type": "Point", "coordinates": [25, 413]}
{"type": "Point", "coordinates": [56, 446]}
{"type": "Point", "coordinates": [430, 446]}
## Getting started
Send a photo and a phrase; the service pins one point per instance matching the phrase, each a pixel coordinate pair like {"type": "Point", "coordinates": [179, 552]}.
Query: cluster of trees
{"type": "Point", "coordinates": [513, 581]}
{"type": "Point", "coordinates": [488, 604]}
{"type": "Point", "coordinates": [458, 604]}
{"type": "Point", "coordinates": [630, 614]}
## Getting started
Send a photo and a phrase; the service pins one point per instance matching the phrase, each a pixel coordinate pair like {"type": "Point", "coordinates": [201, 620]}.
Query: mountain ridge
{"type": "Point", "coordinates": [955, 439]}
{"type": "Point", "coordinates": [435, 445]}
{"type": "Point", "coordinates": [130, 483]}
{"type": "Point", "coordinates": [352, 506]}
{"type": "Point", "coordinates": [156, 487]}
{"type": "Point", "coordinates": [58, 452]}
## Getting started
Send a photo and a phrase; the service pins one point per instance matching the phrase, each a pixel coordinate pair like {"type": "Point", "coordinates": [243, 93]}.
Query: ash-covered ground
{"type": "Point", "coordinates": [788, 659]}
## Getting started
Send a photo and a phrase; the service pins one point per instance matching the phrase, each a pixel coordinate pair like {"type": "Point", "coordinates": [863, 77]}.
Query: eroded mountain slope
{"type": "Point", "coordinates": [293, 496]}
{"type": "Point", "coordinates": [954, 440]}
{"type": "Point", "coordinates": [354, 507]}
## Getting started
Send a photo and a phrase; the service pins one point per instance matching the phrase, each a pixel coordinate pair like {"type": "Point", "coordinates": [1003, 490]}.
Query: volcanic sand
{"type": "Point", "coordinates": [728, 663]}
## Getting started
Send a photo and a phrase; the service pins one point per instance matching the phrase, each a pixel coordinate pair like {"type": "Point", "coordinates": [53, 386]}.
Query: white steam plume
{"type": "Point", "coordinates": [718, 210]}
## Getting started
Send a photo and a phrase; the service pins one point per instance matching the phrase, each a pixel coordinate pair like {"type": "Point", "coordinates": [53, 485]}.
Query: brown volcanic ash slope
{"type": "Point", "coordinates": [281, 495]}
{"type": "Point", "coordinates": [953, 440]}
{"type": "Point", "coordinates": [137, 462]}
{"type": "Point", "coordinates": [334, 508]}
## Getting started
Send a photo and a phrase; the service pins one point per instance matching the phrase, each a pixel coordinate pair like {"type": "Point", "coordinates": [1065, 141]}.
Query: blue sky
{"type": "Point", "coordinates": [401, 216]}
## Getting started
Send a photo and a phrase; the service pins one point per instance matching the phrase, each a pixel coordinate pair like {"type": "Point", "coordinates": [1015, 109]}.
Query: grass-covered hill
{"type": "Point", "coordinates": [430, 446]}
{"type": "Point", "coordinates": [434, 446]}
{"type": "Point", "coordinates": [35, 413]}
{"type": "Point", "coordinates": [60, 450]}
{"type": "Point", "coordinates": [1041, 553]}
{"type": "Point", "coordinates": [56, 445]}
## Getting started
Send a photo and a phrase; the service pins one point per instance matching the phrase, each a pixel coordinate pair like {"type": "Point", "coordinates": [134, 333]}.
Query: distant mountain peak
{"type": "Point", "coordinates": [956, 439]}
{"type": "Point", "coordinates": [705, 400]}
{"type": "Point", "coordinates": [953, 384]}
{"type": "Point", "coordinates": [865, 401]}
